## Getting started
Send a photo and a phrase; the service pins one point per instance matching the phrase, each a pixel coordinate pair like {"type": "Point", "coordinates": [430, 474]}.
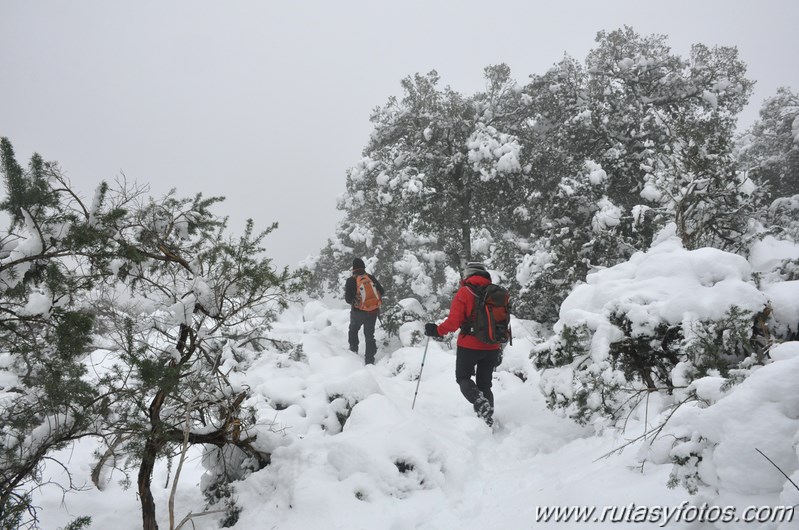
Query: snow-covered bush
{"type": "Point", "coordinates": [775, 264]}
{"type": "Point", "coordinates": [654, 323]}
{"type": "Point", "coordinates": [721, 442]}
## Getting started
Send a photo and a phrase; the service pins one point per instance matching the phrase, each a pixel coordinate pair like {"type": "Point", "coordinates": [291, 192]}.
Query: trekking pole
{"type": "Point", "coordinates": [420, 373]}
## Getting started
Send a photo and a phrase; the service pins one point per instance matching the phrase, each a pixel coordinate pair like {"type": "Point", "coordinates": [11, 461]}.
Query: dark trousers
{"type": "Point", "coordinates": [366, 319]}
{"type": "Point", "coordinates": [467, 361]}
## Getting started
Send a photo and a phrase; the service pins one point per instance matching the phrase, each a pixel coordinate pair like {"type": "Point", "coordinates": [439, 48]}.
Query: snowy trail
{"type": "Point", "coordinates": [463, 476]}
{"type": "Point", "coordinates": [435, 467]}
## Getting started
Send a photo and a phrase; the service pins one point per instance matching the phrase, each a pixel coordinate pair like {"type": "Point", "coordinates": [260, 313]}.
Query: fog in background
{"type": "Point", "coordinates": [267, 103]}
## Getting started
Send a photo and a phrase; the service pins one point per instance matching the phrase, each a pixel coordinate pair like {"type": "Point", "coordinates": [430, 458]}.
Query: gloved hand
{"type": "Point", "coordinates": [431, 330]}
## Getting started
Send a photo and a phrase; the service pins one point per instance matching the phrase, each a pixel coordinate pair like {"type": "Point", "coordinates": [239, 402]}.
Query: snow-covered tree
{"type": "Point", "coordinates": [769, 151]}
{"type": "Point", "coordinates": [160, 285]}
{"type": "Point", "coordinates": [655, 131]}
{"type": "Point", "coordinates": [432, 186]}
{"type": "Point", "coordinates": [192, 296]}
{"type": "Point", "coordinates": [53, 251]}
{"type": "Point", "coordinates": [573, 171]}
{"type": "Point", "coordinates": [667, 127]}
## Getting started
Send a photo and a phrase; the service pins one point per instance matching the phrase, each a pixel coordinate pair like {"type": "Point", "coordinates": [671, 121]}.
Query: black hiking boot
{"type": "Point", "coordinates": [484, 409]}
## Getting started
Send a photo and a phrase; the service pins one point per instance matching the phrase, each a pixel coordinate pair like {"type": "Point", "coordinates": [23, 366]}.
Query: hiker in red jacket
{"type": "Point", "coordinates": [471, 353]}
{"type": "Point", "coordinates": [364, 293]}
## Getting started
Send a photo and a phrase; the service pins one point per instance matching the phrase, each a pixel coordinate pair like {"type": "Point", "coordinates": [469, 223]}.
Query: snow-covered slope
{"type": "Point", "coordinates": [349, 452]}
{"type": "Point", "coordinates": [437, 466]}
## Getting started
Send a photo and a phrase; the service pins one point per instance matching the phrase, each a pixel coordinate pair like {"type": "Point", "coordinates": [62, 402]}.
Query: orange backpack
{"type": "Point", "coordinates": [367, 298]}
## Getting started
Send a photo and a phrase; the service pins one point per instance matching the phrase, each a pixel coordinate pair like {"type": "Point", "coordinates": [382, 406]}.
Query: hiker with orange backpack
{"type": "Point", "coordinates": [481, 311]}
{"type": "Point", "coordinates": [364, 293]}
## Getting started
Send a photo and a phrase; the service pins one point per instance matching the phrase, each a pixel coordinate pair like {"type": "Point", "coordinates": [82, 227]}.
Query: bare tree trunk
{"type": "Point", "coordinates": [466, 226]}
{"type": "Point", "coordinates": [155, 442]}
{"type": "Point", "coordinates": [151, 450]}
{"type": "Point", "coordinates": [157, 439]}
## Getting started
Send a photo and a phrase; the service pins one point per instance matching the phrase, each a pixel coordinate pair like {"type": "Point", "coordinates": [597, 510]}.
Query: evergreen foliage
{"type": "Point", "coordinates": [572, 172]}
{"type": "Point", "coordinates": [546, 181]}
{"type": "Point", "coordinates": [423, 200]}
{"type": "Point", "coordinates": [164, 289]}
{"type": "Point", "coordinates": [769, 150]}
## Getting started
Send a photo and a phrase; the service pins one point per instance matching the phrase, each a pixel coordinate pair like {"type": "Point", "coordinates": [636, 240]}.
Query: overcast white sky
{"type": "Point", "coordinates": [268, 102]}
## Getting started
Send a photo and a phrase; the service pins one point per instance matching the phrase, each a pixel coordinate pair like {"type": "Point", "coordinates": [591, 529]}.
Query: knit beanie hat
{"type": "Point", "coordinates": [358, 263]}
{"type": "Point", "coordinates": [474, 267]}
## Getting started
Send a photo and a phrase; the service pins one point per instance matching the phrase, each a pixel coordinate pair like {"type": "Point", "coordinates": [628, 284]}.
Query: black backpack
{"type": "Point", "coordinates": [490, 320]}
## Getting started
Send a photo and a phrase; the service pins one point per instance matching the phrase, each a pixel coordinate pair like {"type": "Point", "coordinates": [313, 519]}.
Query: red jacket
{"type": "Point", "coordinates": [461, 311]}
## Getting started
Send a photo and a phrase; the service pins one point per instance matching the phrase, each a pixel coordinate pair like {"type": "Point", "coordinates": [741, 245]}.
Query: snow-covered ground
{"type": "Point", "coordinates": [349, 452]}
{"type": "Point", "coordinates": [435, 467]}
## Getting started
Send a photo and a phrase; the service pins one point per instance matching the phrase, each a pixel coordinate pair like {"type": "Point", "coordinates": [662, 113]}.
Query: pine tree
{"type": "Point", "coordinates": [668, 126]}
{"type": "Point", "coordinates": [52, 253]}
{"type": "Point", "coordinates": [193, 292]}
{"type": "Point", "coordinates": [161, 285]}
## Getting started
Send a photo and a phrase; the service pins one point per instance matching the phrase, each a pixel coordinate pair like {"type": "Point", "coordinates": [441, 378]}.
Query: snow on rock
{"type": "Point", "coordinates": [316, 315]}
{"type": "Point", "coordinates": [356, 386]}
{"type": "Point", "coordinates": [403, 457]}
{"type": "Point", "coordinates": [313, 309]}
